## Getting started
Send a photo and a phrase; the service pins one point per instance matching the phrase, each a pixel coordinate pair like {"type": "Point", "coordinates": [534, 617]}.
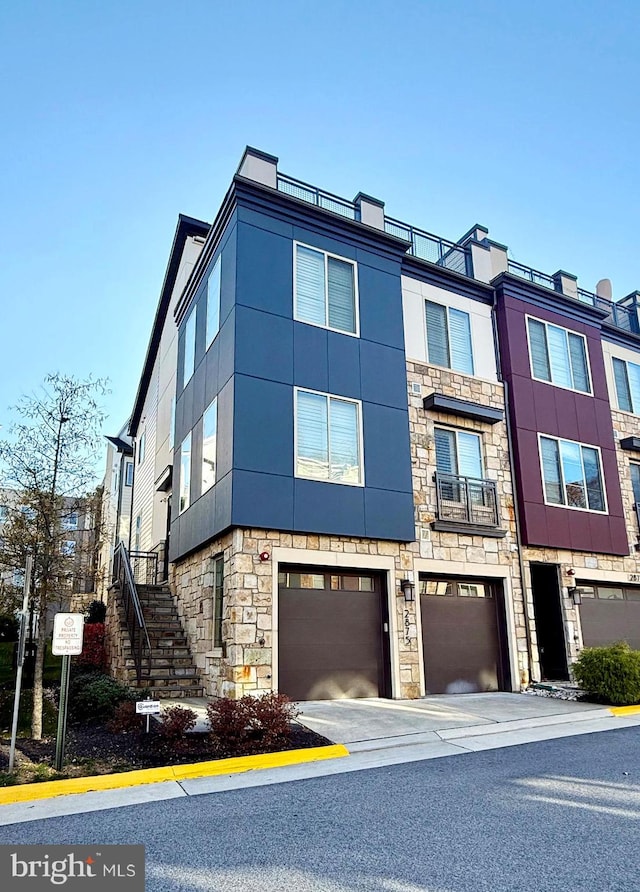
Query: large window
{"type": "Point", "coordinates": [189, 363]}
{"type": "Point", "coordinates": [213, 303]}
{"type": "Point", "coordinates": [326, 292]}
{"type": "Point", "coordinates": [458, 452]}
{"type": "Point", "coordinates": [558, 356]}
{"type": "Point", "coordinates": [185, 473]}
{"type": "Point", "coordinates": [328, 438]}
{"type": "Point", "coordinates": [209, 431]}
{"type": "Point", "coordinates": [627, 378]}
{"type": "Point", "coordinates": [572, 474]}
{"type": "Point", "coordinates": [218, 593]}
{"type": "Point", "coordinates": [449, 337]}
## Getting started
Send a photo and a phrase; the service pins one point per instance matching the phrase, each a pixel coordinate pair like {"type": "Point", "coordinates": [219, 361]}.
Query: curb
{"type": "Point", "coordinates": [624, 710]}
{"type": "Point", "coordinates": [49, 789]}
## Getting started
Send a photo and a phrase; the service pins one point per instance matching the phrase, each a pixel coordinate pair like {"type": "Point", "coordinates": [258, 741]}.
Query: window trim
{"type": "Point", "coordinates": [128, 473]}
{"type": "Point", "coordinates": [562, 480]}
{"type": "Point", "coordinates": [356, 292]}
{"type": "Point", "coordinates": [567, 331]}
{"type": "Point", "coordinates": [627, 363]}
{"type": "Point", "coordinates": [447, 307]}
{"type": "Point", "coordinates": [328, 396]}
{"type": "Point", "coordinates": [456, 431]}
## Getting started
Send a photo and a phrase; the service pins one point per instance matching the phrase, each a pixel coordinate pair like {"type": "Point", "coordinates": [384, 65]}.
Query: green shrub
{"type": "Point", "coordinates": [93, 697]}
{"type": "Point", "coordinates": [610, 674]}
{"type": "Point", "coordinates": [95, 613]}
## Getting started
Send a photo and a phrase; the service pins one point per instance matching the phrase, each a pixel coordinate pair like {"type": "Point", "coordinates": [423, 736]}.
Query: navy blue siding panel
{"type": "Point", "coordinates": [262, 500]}
{"type": "Point", "coordinates": [311, 356]}
{"type": "Point", "coordinates": [222, 507]}
{"type": "Point", "coordinates": [263, 431]}
{"type": "Point", "coordinates": [199, 390]}
{"type": "Point", "coordinates": [228, 274]}
{"type": "Point", "coordinates": [224, 445]}
{"type": "Point", "coordinates": [226, 347]}
{"type": "Point", "coordinates": [196, 461]}
{"type": "Point", "coordinates": [383, 375]}
{"type": "Point", "coordinates": [264, 345]}
{"type": "Point", "coordinates": [389, 515]}
{"type": "Point", "coordinates": [187, 418]}
{"type": "Point", "coordinates": [387, 452]}
{"type": "Point", "coordinates": [174, 538]}
{"type": "Point", "coordinates": [265, 271]}
{"type": "Point", "coordinates": [212, 359]}
{"type": "Point", "coordinates": [179, 423]}
{"type": "Point", "coordinates": [381, 307]}
{"type": "Point", "coordinates": [344, 365]}
{"type": "Point", "coordinates": [377, 261]}
{"type": "Point", "coordinates": [200, 304]}
{"type": "Point", "coordinates": [328, 508]}
{"type": "Point", "coordinates": [265, 221]}
{"type": "Point", "coordinates": [324, 242]}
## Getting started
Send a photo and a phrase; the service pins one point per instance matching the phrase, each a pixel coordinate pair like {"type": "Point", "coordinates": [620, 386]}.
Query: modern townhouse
{"type": "Point", "coordinates": [117, 489]}
{"type": "Point", "coordinates": [373, 462]}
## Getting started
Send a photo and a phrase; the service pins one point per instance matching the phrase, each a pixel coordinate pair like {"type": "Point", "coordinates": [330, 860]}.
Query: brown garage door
{"type": "Point", "coordinates": [332, 638]}
{"type": "Point", "coordinates": [609, 614]}
{"type": "Point", "coordinates": [460, 636]}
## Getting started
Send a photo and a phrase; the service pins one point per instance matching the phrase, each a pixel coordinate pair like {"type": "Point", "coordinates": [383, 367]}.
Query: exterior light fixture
{"type": "Point", "coordinates": [264, 556]}
{"type": "Point", "coordinates": [408, 590]}
{"type": "Point", "coordinates": [576, 595]}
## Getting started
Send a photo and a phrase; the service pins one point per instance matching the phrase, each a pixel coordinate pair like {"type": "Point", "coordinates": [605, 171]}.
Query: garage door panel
{"type": "Point", "coordinates": [605, 622]}
{"type": "Point", "coordinates": [460, 643]}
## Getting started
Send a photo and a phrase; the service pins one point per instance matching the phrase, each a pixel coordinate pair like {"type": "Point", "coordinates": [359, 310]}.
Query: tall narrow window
{"type": "Point", "coordinates": [325, 290]}
{"type": "Point", "coordinates": [209, 432]}
{"type": "Point", "coordinates": [189, 347]}
{"type": "Point", "coordinates": [142, 446]}
{"type": "Point", "coordinates": [185, 473]}
{"type": "Point", "coordinates": [627, 378]}
{"type": "Point", "coordinates": [218, 595]}
{"type": "Point", "coordinates": [449, 337]}
{"type": "Point", "coordinates": [328, 438]}
{"type": "Point", "coordinates": [558, 356]}
{"type": "Point", "coordinates": [572, 474]}
{"type": "Point", "coordinates": [128, 477]}
{"type": "Point", "coordinates": [635, 482]}
{"type": "Point", "coordinates": [213, 303]}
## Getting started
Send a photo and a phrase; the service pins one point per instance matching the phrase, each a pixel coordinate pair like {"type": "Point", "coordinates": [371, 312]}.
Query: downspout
{"type": "Point", "coordinates": [514, 489]}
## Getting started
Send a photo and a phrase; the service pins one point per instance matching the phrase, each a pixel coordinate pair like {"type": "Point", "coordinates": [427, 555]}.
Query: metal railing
{"type": "Point", "coordinates": [431, 247]}
{"type": "Point", "coordinates": [322, 199]}
{"type": "Point", "coordinates": [144, 567]}
{"type": "Point", "coordinates": [532, 275]}
{"type": "Point", "coordinates": [467, 500]}
{"type": "Point", "coordinates": [134, 618]}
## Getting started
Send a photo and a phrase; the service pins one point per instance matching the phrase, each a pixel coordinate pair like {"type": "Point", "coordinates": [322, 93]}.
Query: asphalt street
{"type": "Point", "coordinates": [556, 815]}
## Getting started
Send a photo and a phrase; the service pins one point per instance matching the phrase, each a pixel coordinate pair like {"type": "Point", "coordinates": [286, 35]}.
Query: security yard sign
{"type": "Point", "coordinates": [68, 630]}
{"type": "Point", "coordinates": [147, 707]}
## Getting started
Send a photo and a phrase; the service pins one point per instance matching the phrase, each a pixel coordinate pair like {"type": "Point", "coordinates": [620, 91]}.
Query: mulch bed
{"type": "Point", "coordinates": [96, 750]}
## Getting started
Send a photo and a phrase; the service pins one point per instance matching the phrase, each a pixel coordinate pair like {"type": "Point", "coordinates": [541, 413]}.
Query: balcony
{"type": "Point", "coordinates": [467, 505]}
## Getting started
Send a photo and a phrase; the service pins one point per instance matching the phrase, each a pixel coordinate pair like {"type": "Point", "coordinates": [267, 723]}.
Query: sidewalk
{"type": "Point", "coordinates": [377, 733]}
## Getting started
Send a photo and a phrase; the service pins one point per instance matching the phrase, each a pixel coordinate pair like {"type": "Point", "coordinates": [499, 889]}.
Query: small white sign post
{"type": "Point", "coordinates": [68, 631]}
{"type": "Point", "coordinates": [28, 569]}
{"type": "Point", "coordinates": [148, 708]}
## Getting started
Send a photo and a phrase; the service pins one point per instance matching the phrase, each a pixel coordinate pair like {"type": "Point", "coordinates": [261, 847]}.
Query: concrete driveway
{"type": "Point", "coordinates": [358, 721]}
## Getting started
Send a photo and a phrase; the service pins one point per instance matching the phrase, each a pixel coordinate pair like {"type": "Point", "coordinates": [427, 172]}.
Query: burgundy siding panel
{"type": "Point", "coordinates": [537, 407]}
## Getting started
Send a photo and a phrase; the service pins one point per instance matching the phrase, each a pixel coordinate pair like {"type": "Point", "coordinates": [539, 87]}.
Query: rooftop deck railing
{"type": "Point", "coordinates": [431, 247]}
{"type": "Point", "coordinates": [322, 199]}
{"type": "Point", "coordinates": [532, 275]}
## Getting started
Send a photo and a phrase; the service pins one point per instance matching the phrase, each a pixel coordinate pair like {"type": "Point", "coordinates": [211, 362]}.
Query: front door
{"type": "Point", "coordinates": [545, 584]}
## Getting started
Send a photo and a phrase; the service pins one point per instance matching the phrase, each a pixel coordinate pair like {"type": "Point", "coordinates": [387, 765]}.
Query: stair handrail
{"type": "Point", "coordinates": [134, 616]}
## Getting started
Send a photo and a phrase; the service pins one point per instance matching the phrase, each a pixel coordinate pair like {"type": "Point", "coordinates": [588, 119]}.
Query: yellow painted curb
{"type": "Point", "coordinates": [624, 710]}
{"type": "Point", "coordinates": [49, 789]}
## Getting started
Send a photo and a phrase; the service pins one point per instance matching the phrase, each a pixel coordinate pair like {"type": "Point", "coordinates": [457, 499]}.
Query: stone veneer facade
{"type": "Point", "coordinates": [248, 661]}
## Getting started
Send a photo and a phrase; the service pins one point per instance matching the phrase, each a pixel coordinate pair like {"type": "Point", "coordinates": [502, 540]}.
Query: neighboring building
{"type": "Point", "coordinates": [117, 487]}
{"type": "Point", "coordinates": [386, 464]}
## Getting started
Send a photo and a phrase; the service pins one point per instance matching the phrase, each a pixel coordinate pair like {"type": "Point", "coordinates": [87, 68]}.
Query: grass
{"type": "Point", "coordinates": [49, 714]}
{"type": "Point", "coordinates": [52, 667]}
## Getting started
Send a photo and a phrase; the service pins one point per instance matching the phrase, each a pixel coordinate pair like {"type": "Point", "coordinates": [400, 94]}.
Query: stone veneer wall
{"type": "Point", "coordinates": [460, 548]}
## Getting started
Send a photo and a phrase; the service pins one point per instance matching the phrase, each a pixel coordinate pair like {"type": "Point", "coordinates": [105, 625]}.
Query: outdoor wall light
{"type": "Point", "coordinates": [576, 596]}
{"type": "Point", "coordinates": [264, 556]}
{"type": "Point", "coordinates": [408, 590]}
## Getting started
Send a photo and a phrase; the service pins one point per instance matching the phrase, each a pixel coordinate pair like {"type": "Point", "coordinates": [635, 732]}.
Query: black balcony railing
{"type": "Point", "coordinates": [123, 576]}
{"type": "Point", "coordinates": [467, 500]}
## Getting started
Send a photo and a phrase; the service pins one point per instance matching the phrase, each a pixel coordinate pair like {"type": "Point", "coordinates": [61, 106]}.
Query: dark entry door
{"type": "Point", "coordinates": [545, 585]}
{"type": "Point", "coordinates": [333, 635]}
{"type": "Point", "coordinates": [460, 637]}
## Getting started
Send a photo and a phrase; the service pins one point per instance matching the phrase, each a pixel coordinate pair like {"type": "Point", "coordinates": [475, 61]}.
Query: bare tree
{"type": "Point", "coordinates": [49, 460]}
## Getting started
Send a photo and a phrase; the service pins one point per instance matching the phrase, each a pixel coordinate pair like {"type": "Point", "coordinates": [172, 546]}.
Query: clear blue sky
{"type": "Point", "coordinates": [117, 116]}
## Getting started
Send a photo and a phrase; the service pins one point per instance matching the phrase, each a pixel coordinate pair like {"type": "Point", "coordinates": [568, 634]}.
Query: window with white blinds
{"type": "Point", "coordinates": [328, 438]}
{"type": "Point", "coordinates": [572, 474]}
{"type": "Point", "coordinates": [627, 378]}
{"type": "Point", "coordinates": [558, 356]}
{"type": "Point", "coordinates": [459, 453]}
{"type": "Point", "coordinates": [325, 290]}
{"type": "Point", "coordinates": [449, 337]}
